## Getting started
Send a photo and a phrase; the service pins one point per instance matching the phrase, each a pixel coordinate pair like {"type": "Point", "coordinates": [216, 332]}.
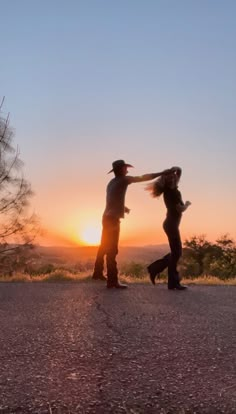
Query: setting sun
{"type": "Point", "coordinates": [91, 235]}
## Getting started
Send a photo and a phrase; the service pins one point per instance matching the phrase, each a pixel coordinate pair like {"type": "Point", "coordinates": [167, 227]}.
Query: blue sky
{"type": "Point", "coordinates": [87, 82]}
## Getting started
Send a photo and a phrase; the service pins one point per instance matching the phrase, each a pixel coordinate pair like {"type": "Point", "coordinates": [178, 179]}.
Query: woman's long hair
{"type": "Point", "coordinates": [157, 187]}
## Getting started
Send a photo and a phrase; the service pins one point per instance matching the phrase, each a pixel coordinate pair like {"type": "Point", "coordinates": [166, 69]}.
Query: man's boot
{"type": "Point", "coordinates": [116, 285]}
{"type": "Point", "coordinates": [98, 276]}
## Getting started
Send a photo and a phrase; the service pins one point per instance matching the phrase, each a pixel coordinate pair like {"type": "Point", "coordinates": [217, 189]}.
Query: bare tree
{"type": "Point", "coordinates": [18, 228]}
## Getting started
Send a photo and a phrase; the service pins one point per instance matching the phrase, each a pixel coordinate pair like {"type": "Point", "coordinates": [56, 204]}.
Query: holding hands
{"type": "Point", "coordinates": [172, 170]}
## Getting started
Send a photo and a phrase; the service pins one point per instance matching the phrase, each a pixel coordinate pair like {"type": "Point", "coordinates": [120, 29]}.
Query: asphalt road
{"type": "Point", "coordinates": [80, 348]}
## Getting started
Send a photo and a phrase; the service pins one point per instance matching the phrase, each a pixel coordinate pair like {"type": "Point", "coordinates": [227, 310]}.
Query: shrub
{"type": "Point", "coordinates": [59, 276]}
{"type": "Point", "coordinates": [42, 270]}
{"type": "Point", "coordinates": [137, 270]}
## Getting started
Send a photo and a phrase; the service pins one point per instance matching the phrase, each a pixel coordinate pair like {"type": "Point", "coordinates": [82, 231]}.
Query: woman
{"type": "Point", "coordinates": [168, 186]}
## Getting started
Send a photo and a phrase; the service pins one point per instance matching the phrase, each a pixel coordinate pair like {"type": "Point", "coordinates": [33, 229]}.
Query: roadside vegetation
{"type": "Point", "coordinates": [19, 226]}
{"type": "Point", "coordinates": [66, 276]}
{"type": "Point", "coordinates": [203, 262]}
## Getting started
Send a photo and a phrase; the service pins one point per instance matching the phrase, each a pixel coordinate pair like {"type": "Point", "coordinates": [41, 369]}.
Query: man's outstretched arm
{"type": "Point", "coordinates": [148, 177]}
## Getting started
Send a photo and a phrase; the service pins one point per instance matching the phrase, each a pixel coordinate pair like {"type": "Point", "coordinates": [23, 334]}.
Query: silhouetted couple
{"type": "Point", "coordinates": [167, 183]}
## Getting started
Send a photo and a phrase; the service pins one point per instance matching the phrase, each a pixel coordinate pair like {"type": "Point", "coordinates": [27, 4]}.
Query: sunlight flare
{"type": "Point", "coordinates": [91, 235]}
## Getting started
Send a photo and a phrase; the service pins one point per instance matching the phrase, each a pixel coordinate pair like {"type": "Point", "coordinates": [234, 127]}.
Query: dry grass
{"type": "Point", "coordinates": [203, 280]}
{"type": "Point", "coordinates": [209, 280]}
{"type": "Point", "coordinates": [66, 276]}
{"type": "Point", "coordinates": [63, 276]}
{"type": "Point", "coordinates": [16, 277]}
{"type": "Point", "coordinates": [56, 276]}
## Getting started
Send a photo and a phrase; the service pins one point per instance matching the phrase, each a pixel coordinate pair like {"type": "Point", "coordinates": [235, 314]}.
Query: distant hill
{"type": "Point", "coordinates": [72, 255]}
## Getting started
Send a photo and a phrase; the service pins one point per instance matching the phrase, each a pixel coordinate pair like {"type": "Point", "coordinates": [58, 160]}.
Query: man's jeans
{"type": "Point", "coordinates": [108, 247]}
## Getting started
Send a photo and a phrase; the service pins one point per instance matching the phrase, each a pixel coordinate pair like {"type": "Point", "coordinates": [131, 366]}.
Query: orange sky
{"type": "Point", "coordinates": [77, 216]}
{"type": "Point", "coordinates": [154, 85]}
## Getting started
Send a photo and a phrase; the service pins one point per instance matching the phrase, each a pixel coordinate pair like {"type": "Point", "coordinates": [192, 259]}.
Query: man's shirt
{"type": "Point", "coordinates": [115, 195]}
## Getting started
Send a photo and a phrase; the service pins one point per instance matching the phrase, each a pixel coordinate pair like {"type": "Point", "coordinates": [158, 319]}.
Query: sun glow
{"type": "Point", "coordinates": [91, 235]}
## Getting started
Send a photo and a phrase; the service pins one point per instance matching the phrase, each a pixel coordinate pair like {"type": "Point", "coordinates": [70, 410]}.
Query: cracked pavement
{"type": "Point", "coordinates": [80, 348]}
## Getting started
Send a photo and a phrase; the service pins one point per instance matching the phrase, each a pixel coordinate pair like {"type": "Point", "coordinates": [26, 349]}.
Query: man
{"type": "Point", "coordinates": [115, 210]}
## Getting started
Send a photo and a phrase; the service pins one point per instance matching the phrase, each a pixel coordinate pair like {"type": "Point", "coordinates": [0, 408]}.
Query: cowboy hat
{"type": "Point", "coordinates": [116, 165]}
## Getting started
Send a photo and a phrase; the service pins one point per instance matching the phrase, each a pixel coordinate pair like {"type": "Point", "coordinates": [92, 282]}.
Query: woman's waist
{"type": "Point", "coordinates": [173, 219]}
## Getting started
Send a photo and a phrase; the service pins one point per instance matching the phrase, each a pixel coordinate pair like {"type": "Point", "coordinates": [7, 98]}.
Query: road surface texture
{"type": "Point", "coordinates": [80, 348]}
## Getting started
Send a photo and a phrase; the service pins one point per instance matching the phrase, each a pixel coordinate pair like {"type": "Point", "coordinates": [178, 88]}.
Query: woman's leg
{"type": "Point", "coordinates": [157, 267]}
{"type": "Point", "coordinates": [175, 244]}
{"type": "Point", "coordinates": [176, 252]}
